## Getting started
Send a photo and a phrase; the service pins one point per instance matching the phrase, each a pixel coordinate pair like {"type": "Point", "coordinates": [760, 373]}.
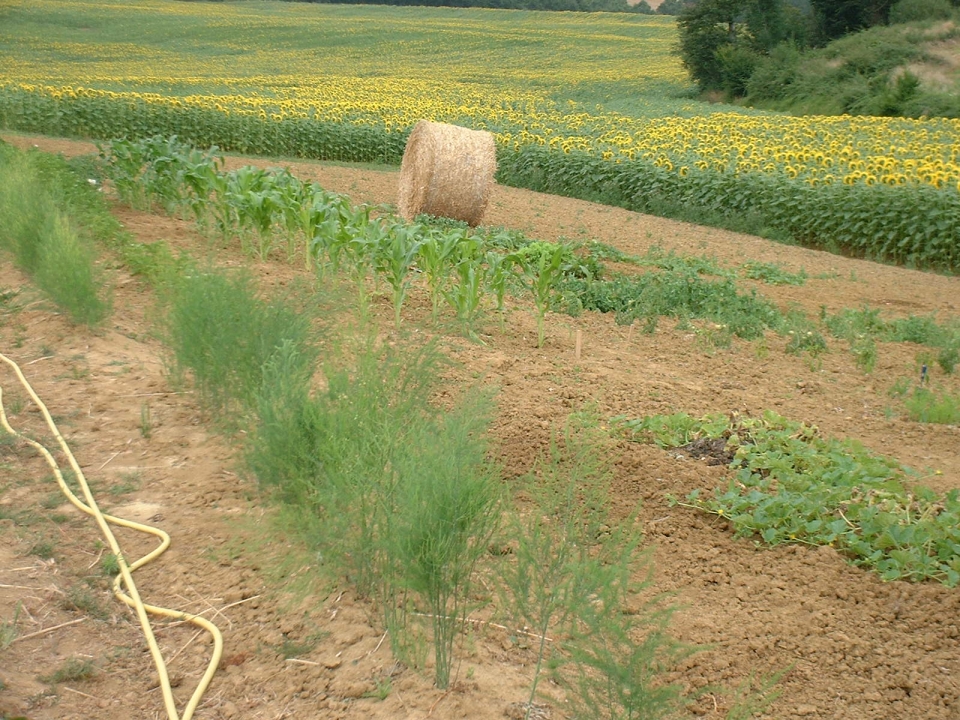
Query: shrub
{"type": "Point", "coordinates": [396, 496]}
{"type": "Point", "coordinates": [906, 11]}
{"type": "Point", "coordinates": [928, 407]}
{"type": "Point", "coordinates": [221, 332]}
{"type": "Point", "coordinates": [39, 198]}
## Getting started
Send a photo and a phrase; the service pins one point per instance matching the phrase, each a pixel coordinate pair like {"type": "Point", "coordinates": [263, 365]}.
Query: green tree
{"type": "Point", "coordinates": [835, 18]}
{"type": "Point", "coordinates": [670, 7]}
{"type": "Point", "coordinates": [705, 28]}
{"type": "Point", "coordinates": [912, 10]}
{"type": "Point", "coordinates": [722, 41]}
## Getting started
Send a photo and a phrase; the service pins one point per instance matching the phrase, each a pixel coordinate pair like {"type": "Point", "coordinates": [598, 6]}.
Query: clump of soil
{"type": "Point", "coordinates": [713, 451]}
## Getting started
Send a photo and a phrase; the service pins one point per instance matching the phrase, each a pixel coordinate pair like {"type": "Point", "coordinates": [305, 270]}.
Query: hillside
{"type": "Point", "coordinates": [910, 70]}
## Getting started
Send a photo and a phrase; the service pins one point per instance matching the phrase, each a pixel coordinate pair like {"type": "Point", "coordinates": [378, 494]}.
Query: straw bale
{"type": "Point", "coordinates": [447, 171]}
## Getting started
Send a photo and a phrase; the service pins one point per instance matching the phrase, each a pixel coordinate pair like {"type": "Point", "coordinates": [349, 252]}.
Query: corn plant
{"type": "Point", "coordinates": [542, 267]}
{"type": "Point", "coordinates": [499, 271]}
{"type": "Point", "coordinates": [258, 203]}
{"type": "Point", "coordinates": [201, 174]}
{"type": "Point", "coordinates": [361, 250]}
{"type": "Point", "coordinates": [437, 254]}
{"type": "Point", "coordinates": [124, 161]}
{"type": "Point", "coordinates": [331, 233]}
{"type": "Point", "coordinates": [395, 258]}
{"type": "Point", "coordinates": [465, 295]}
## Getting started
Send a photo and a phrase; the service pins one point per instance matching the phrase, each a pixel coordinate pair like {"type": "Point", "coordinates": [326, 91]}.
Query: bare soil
{"type": "Point", "coordinates": [853, 647]}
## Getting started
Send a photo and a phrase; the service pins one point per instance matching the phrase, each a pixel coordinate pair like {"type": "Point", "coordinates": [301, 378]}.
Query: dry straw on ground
{"type": "Point", "coordinates": [447, 171]}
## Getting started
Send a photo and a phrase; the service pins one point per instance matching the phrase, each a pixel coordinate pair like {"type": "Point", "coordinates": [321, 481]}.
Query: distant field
{"type": "Point", "coordinates": [349, 81]}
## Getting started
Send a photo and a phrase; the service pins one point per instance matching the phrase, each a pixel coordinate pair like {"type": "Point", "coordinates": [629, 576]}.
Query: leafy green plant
{"type": "Point", "coordinates": [791, 485]}
{"type": "Point", "coordinates": [772, 274]}
{"type": "Point", "coordinates": [497, 276]}
{"type": "Point", "coordinates": [864, 349]}
{"type": "Point", "coordinates": [681, 294]}
{"type": "Point", "coordinates": [861, 328]}
{"type": "Point", "coordinates": [465, 295]}
{"type": "Point", "coordinates": [395, 259]}
{"type": "Point", "coordinates": [436, 256]}
{"type": "Point", "coordinates": [670, 261]}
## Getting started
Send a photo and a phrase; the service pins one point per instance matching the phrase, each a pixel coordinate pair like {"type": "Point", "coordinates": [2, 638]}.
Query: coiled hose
{"type": "Point", "coordinates": [125, 578]}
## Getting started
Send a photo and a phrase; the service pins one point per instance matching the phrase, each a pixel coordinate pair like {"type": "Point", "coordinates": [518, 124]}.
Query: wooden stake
{"type": "Point", "coordinates": [579, 344]}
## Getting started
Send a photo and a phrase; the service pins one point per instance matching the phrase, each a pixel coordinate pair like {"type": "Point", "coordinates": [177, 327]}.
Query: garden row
{"type": "Point", "coordinates": [913, 222]}
{"type": "Point", "coordinates": [400, 497]}
{"type": "Point", "coordinates": [472, 271]}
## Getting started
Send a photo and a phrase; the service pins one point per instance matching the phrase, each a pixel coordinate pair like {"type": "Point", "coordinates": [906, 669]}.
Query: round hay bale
{"type": "Point", "coordinates": [447, 171]}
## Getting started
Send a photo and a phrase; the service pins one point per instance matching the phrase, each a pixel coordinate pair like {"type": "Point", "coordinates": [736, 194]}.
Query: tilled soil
{"type": "Point", "coordinates": [296, 646]}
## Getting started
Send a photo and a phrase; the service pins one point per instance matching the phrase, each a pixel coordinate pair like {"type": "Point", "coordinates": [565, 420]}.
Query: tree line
{"type": "Point", "coordinates": [667, 7]}
{"type": "Point", "coordinates": [725, 43]}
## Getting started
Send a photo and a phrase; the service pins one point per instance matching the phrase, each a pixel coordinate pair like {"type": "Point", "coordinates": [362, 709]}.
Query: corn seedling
{"type": "Point", "coordinates": [394, 259]}
{"type": "Point", "coordinates": [466, 294]}
{"type": "Point", "coordinates": [437, 255]}
{"type": "Point", "coordinates": [542, 268]}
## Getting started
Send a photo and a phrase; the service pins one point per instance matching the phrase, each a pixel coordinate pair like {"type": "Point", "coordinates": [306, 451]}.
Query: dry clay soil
{"type": "Point", "coordinates": [851, 646]}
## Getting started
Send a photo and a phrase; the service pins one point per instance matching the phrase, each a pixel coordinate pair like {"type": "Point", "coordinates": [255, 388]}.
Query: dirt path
{"type": "Point", "coordinates": [856, 648]}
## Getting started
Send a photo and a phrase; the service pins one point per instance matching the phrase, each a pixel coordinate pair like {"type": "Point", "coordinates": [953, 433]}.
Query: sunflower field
{"type": "Point", "coordinates": [588, 105]}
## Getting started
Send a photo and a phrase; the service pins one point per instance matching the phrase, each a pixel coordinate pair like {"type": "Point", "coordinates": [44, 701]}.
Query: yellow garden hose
{"type": "Point", "coordinates": [125, 577]}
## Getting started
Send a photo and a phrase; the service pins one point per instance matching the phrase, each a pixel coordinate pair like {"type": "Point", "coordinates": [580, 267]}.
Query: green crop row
{"type": "Point", "coordinates": [913, 224]}
{"type": "Point", "coordinates": [916, 225]}
{"type": "Point", "coordinates": [103, 118]}
{"type": "Point", "coordinates": [471, 270]}
{"type": "Point", "coordinates": [51, 217]}
{"type": "Point", "coordinates": [459, 266]}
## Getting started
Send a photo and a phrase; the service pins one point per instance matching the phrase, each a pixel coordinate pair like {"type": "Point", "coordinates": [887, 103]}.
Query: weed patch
{"type": "Point", "coordinates": [772, 274]}
{"type": "Point", "coordinates": [680, 294]}
{"type": "Point", "coordinates": [863, 327]}
{"type": "Point", "coordinates": [73, 670]}
{"type": "Point", "coordinates": [927, 406]}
